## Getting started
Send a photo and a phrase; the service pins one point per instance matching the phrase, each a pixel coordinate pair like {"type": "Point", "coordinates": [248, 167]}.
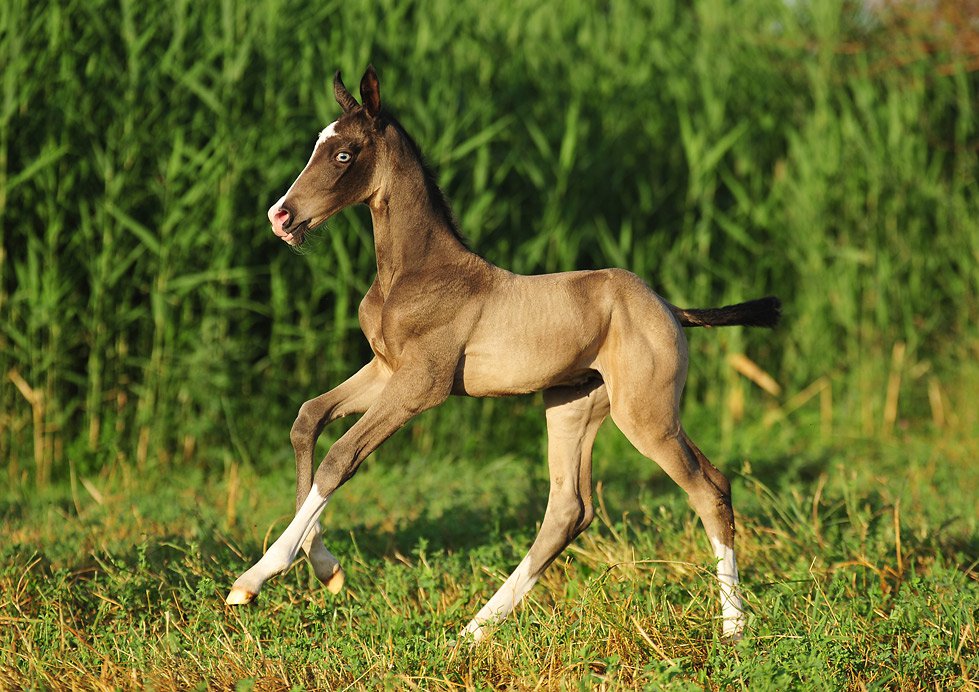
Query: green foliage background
{"type": "Point", "coordinates": [721, 152]}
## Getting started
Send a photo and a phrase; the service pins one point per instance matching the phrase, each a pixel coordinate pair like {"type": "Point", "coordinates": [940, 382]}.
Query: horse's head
{"type": "Point", "coordinates": [340, 171]}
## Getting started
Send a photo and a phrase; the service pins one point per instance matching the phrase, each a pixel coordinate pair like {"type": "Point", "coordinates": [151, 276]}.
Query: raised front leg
{"type": "Point", "coordinates": [574, 415]}
{"type": "Point", "coordinates": [355, 395]}
{"type": "Point", "coordinates": [408, 392]}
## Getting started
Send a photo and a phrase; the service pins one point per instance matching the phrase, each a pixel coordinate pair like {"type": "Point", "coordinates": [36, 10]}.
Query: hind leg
{"type": "Point", "coordinates": [651, 423]}
{"type": "Point", "coordinates": [732, 608]}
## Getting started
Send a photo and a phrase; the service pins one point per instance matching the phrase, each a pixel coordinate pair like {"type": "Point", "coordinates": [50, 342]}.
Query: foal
{"type": "Point", "coordinates": [441, 320]}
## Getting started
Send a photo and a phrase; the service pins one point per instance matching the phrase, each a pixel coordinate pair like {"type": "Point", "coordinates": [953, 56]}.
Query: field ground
{"type": "Point", "coordinates": [859, 560]}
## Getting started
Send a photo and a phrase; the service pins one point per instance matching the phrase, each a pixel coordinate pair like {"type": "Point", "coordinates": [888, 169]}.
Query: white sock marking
{"type": "Point", "coordinates": [727, 574]}
{"type": "Point", "coordinates": [281, 554]}
{"type": "Point", "coordinates": [504, 600]}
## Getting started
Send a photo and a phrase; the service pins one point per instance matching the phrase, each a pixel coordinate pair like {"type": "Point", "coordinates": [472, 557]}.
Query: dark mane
{"type": "Point", "coordinates": [436, 198]}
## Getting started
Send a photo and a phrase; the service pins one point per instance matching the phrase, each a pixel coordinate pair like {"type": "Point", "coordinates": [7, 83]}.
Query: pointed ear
{"type": "Point", "coordinates": [343, 97]}
{"type": "Point", "coordinates": [370, 91]}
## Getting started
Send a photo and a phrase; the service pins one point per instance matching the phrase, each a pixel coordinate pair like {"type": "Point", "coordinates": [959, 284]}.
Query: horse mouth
{"type": "Point", "coordinates": [297, 234]}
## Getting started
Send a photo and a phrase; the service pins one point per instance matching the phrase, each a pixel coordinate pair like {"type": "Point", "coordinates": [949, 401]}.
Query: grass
{"type": "Point", "coordinates": [859, 560]}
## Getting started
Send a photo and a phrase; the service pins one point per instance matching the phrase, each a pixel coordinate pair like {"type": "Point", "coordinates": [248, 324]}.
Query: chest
{"type": "Point", "coordinates": [370, 315]}
{"type": "Point", "coordinates": [410, 322]}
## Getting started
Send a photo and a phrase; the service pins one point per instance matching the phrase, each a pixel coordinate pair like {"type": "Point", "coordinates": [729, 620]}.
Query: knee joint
{"type": "Point", "coordinates": [306, 425]}
{"type": "Point", "coordinates": [340, 464]}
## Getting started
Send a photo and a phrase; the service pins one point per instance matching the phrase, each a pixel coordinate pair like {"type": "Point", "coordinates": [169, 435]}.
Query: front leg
{"type": "Point", "coordinates": [409, 391]}
{"type": "Point", "coordinates": [355, 395]}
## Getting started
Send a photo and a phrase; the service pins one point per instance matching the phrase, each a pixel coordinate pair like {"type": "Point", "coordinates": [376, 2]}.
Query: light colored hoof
{"type": "Point", "coordinates": [472, 635]}
{"type": "Point", "coordinates": [335, 581]}
{"type": "Point", "coordinates": [239, 596]}
{"type": "Point", "coordinates": [733, 637]}
{"type": "Point", "coordinates": [733, 632]}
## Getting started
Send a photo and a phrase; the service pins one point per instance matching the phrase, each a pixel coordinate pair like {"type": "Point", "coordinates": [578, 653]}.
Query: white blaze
{"type": "Point", "coordinates": [327, 132]}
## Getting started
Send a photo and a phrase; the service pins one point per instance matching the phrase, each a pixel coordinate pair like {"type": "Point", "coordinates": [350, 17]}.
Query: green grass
{"type": "Point", "coordinates": [859, 560]}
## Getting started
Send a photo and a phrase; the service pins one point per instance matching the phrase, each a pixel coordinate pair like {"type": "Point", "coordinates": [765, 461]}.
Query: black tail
{"type": "Point", "coordinates": [763, 312]}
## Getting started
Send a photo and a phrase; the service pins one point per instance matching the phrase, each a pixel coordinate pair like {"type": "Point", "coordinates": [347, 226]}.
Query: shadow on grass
{"type": "Point", "coordinates": [203, 556]}
{"type": "Point", "coordinates": [160, 568]}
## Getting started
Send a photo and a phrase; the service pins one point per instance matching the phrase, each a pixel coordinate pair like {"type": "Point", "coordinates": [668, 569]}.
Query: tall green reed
{"type": "Point", "coordinates": [718, 152]}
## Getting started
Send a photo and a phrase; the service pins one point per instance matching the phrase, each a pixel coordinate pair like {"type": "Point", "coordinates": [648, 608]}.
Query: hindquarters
{"type": "Point", "coordinates": [644, 364]}
{"type": "Point", "coordinates": [643, 357]}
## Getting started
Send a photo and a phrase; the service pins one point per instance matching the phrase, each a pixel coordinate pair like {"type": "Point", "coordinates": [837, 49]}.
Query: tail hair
{"type": "Point", "coordinates": [761, 312]}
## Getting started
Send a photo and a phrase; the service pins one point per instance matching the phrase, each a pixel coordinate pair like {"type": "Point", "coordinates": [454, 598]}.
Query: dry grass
{"type": "Point", "coordinates": [859, 564]}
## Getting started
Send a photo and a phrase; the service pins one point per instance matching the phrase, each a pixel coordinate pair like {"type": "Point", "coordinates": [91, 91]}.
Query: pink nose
{"type": "Point", "coordinates": [279, 217]}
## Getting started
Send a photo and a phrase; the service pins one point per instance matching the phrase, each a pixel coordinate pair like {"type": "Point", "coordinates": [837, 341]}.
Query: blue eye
{"type": "Point", "coordinates": [343, 157]}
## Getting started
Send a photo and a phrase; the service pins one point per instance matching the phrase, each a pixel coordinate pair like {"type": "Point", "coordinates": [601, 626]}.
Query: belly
{"type": "Point", "coordinates": [519, 373]}
{"type": "Point", "coordinates": [538, 335]}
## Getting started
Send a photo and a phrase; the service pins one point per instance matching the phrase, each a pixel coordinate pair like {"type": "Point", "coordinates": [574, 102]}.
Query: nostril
{"type": "Point", "coordinates": [282, 217]}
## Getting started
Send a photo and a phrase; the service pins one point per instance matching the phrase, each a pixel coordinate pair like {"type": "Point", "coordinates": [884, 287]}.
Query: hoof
{"type": "Point", "coordinates": [732, 637]}
{"type": "Point", "coordinates": [335, 581]}
{"type": "Point", "coordinates": [733, 632]}
{"type": "Point", "coordinates": [472, 635]}
{"type": "Point", "coordinates": [239, 596]}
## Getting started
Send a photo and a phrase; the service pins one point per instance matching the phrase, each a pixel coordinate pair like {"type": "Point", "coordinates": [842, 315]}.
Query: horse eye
{"type": "Point", "coordinates": [343, 157]}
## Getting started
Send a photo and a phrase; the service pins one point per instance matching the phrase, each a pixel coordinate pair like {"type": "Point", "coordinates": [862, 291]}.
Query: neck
{"type": "Point", "coordinates": [411, 231]}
